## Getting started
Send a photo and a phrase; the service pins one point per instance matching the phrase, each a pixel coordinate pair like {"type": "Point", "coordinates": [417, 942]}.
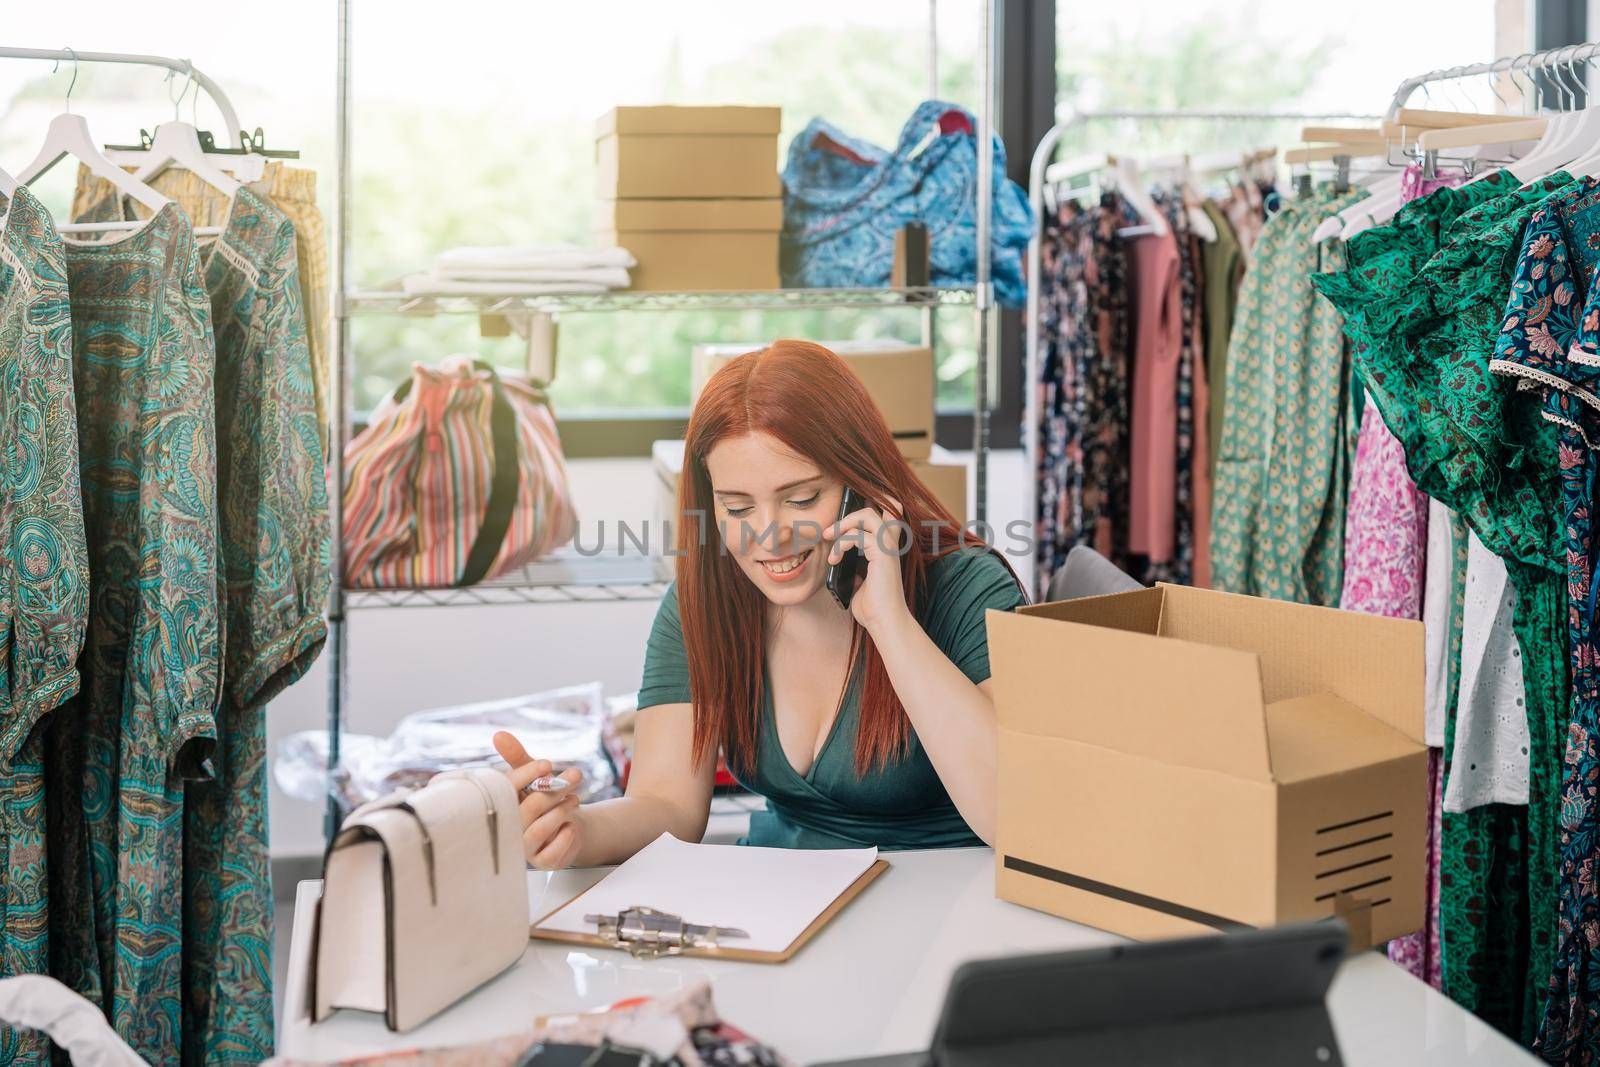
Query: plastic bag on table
{"type": "Point", "coordinates": [565, 726]}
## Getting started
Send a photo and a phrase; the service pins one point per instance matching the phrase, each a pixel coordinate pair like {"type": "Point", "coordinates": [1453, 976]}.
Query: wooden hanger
{"type": "Point", "coordinates": [1341, 134]}
{"type": "Point", "coordinates": [1328, 152]}
{"type": "Point", "coordinates": [1422, 118]}
{"type": "Point", "coordinates": [1481, 133]}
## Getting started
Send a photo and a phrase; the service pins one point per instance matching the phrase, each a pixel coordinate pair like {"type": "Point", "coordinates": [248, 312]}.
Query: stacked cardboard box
{"type": "Point", "coordinates": [693, 193]}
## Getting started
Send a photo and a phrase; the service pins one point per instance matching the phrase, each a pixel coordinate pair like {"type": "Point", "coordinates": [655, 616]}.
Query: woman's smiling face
{"type": "Point", "coordinates": [771, 508]}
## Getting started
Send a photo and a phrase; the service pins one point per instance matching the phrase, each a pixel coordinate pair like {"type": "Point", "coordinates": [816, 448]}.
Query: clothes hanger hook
{"type": "Point", "coordinates": [1493, 78]}
{"type": "Point", "coordinates": [73, 84]}
{"type": "Point", "coordinates": [177, 101]}
{"type": "Point", "coordinates": [1533, 94]}
{"type": "Point", "coordinates": [1558, 71]}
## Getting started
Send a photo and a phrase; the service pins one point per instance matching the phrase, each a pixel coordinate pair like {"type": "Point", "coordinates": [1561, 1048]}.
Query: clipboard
{"type": "Point", "coordinates": [721, 952]}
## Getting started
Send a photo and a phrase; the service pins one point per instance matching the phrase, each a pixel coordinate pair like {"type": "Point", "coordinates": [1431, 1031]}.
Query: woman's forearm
{"type": "Point", "coordinates": [953, 718]}
{"type": "Point", "coordinates": [613, 830]}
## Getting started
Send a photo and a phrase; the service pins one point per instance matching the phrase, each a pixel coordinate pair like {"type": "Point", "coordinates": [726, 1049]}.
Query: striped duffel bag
{"type": "Point", "coordinates": [458, 477]}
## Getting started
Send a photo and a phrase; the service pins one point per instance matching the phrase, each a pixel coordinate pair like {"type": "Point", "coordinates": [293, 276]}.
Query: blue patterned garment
{"type": "Point", "coordinates": [844, 199]}
{"type": "Point", "coordinates": [117, 757]}
{"type": "Point", "coordinates": [275, 562]}
{"type": "Point", "coordinates": [1550, 343]}
{"type": "Point", "coordinates": [44, 575]}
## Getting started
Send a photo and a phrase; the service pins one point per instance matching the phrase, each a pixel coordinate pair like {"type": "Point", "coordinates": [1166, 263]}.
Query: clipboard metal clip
{"type": "Point", "coordinates": [647, 933]}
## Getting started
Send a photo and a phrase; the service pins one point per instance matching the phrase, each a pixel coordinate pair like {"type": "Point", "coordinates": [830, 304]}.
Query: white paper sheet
{"type": "Point", "coordinates": [773, 894]}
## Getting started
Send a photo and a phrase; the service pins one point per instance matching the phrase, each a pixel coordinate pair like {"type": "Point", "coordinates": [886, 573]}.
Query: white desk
{"type": "Point", "coordinates": [872, 982]}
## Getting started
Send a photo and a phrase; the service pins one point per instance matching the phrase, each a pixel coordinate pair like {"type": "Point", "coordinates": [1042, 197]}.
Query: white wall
{"type": "Point", "coordinates": [405, 659]}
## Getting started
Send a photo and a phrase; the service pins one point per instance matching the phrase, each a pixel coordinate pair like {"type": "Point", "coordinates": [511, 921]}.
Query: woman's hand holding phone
{"type": "Point", "coordinates": [551, 831]}
{"type": "Point", "coordinates": [879, 596]}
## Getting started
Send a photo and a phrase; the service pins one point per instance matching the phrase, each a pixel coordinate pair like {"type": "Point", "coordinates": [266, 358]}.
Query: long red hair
{"type": "Point", "coordinates": [806, 397]}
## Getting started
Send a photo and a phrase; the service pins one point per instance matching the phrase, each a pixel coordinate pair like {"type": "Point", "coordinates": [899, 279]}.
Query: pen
{"type": "Point", "coordinates": [547, 784]}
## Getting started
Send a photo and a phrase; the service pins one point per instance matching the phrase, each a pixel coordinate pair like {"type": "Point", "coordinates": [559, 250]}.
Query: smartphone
{"type": "Point", "coordinates": [841, 579]}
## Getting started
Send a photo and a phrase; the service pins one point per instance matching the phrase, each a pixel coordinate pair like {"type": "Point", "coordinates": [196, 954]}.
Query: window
{"type": "Point", "coordinates": [478, 129]}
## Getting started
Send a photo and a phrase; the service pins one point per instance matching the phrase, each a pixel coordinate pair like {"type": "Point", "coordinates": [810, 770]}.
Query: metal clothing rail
{"type": "Point", "coordinates": [1036, 171]}
{"type": "Point", "coordinates": [181, 66]}
{"type": "Point", "coordinates": [1527, 63]}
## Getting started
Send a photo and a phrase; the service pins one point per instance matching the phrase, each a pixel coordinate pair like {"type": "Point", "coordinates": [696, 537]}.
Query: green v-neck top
{"type": "Point", "coordinates": [900, 805]}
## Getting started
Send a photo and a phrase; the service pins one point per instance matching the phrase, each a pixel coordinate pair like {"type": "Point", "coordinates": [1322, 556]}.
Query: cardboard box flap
{"type": "Point", "coordinates": [1373, 662]}
{"type": "Point", "coordinates": [1138, 611]}
{"type": "Point", "coordinates": [690, 120]}
{"type": "Point", "coordinates": [1319, 735]}
{"type": "Point", "coordinates": [1113, 687]}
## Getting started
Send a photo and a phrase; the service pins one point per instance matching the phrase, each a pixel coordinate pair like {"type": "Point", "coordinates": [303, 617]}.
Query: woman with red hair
{"type": "Point", "coordinates": [870, 725]}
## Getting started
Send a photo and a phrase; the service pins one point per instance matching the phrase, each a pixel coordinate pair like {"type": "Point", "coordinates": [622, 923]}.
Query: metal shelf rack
{"type": "Point", "coordinates": [393, 301]}
{"type": "Point", "coordinates": [566, 577]}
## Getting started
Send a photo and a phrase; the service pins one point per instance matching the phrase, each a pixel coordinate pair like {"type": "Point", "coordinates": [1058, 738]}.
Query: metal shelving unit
{"type": "Point", "coordinates": [394, 302]}
{"type": "Point", "coordinates": [568, 577]}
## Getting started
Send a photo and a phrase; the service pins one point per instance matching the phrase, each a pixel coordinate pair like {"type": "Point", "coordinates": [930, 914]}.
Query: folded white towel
{"type": "Point", "coordinates": [433, 285]}
{"type": "Point", "coordinates": [530, 257]}
{"type": "Point", "coordinates": [610, 277]}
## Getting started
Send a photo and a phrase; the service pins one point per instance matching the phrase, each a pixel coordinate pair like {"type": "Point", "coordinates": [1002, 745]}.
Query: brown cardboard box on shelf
{"type": "Point", "coordinates": [1177, 761]}
{"type": "Point", "coordinates": [686, 245]}
{"type": "Point", "coordinates": [656, 152]}
{"type": "Point", "coordinates": [898, 376]}
{"type": "Point", "coordinates": [947, 482]}
{"type": "Point", "coordinates": [945, 479]}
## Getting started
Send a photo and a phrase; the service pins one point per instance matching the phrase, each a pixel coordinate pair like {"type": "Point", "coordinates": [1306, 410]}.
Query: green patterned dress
{"type": "Point", "coordinates": [1478, 446]}
{"type": "Point", "coordinates": [1288, 436]}
{"type": "Point", "coordinates": [44, 575]}
{"type": "Point", "coordinates": [275, 555]}
{"type": "Point", "coordinates": [275, 551]}
{"type": "Point", "coordinates": [117, 757]}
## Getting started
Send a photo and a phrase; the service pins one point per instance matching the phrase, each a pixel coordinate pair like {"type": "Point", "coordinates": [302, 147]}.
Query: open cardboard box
{"type": "Point", "coordinates": [1176, 760]}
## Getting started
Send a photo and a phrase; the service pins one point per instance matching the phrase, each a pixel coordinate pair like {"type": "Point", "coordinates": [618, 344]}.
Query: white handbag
{"type": "Point", "coordinates": [424, 898]}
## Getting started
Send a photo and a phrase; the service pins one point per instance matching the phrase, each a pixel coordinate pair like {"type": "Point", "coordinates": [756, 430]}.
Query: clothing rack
{"type": "Point", "coordinates": [1036, 172]}
{"type": "Point", "coordinates": [1565, 58]}
{"type": "Point", "coordinates": [565, 579]}
{"type": "Point", "coordinates": [230, 117]}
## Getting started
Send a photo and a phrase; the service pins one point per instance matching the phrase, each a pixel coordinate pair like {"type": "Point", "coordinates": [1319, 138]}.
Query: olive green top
{"type": "Point", "coordinates": [898, 806]}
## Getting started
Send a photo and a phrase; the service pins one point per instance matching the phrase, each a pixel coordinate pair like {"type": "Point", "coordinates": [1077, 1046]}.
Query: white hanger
{"type": "Point", "coordinates": [8, 185]}
{"type": "Point", "coordinates": [179, 143]}
{"type": "Point", "coordinates": [1378, 195]}
{"type": "Point", "coordinates": [1134, 192]}
{"type": "Point", "coordinates": [68, 135]}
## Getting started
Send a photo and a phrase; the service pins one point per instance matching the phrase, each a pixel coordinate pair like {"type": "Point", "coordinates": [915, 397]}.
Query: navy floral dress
{"type": "Point", "coordinates": [1550, 343]}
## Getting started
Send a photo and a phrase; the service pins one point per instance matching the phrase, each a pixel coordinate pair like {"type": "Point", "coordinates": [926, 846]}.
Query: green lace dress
{"type": "Point", "coordinates": [1478, 446]}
